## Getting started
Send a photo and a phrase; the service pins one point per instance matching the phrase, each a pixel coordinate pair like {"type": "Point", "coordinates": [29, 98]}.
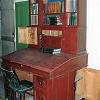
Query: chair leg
{"type": "Point", "coordinates": [24, 96]}
{"type": "Point", "coordinates": [11, 95]}
{"type": "Point", "coordinates": [14, 95]}
{"type": "Point", "coordinates": [19, 96]}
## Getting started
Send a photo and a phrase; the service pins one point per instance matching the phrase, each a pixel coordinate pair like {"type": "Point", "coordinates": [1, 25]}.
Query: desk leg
{"type": "Point", "coordinates": [34, 90]}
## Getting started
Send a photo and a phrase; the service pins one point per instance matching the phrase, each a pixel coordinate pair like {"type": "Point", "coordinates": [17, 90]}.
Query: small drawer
{"type": "Point", "coordinates": [41, 83]}
{"type": "Point", "coordinates": [40, 96]}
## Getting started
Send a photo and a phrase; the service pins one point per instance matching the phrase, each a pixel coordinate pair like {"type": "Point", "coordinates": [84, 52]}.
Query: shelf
{"type": "Point", "coordinates": [71, 12]}
{"type": "Point", "coordinates": [35, 14]}
{"type": "Point", "coordinates": [53, 25]}
{"type": "Point", "coordinates": [33, 3]}
{"type": "Point", "coordinates": [56, 27]}
{"type": "Point", "coordinates": [34, 25]}
{"type": "Point", "coordinates": [53, 13]}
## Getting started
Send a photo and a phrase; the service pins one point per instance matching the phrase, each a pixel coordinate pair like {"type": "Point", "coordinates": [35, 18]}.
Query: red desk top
{"type": "Point", "coordinates": [45, 62]}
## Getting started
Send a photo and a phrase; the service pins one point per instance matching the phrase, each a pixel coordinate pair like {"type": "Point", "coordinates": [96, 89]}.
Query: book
{"type": "Point", "coordinates": [71, 5]}
{"type": "Point", "coordinates": [74, 5]}
{"type": "Point", "coordinates": [52, 32]}
{"type": "Point", "coordinates": [32, 36]}
{"type": "Point", "coordinates": [68, 5]}
{"type": "Point", "coordinates": [27, 35]}
{"type": "Point", "coordinates": [22, 34]}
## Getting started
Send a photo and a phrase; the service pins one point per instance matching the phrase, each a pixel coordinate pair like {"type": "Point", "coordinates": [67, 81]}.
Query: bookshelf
{"type": "Point", "coordinates": [59, 23]}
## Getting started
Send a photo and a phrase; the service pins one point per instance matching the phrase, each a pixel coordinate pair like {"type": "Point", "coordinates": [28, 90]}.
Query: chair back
{"type": "Point", "coordinates": [11, 77]}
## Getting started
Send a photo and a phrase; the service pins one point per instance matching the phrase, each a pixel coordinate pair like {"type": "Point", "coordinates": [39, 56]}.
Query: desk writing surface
{"type": "Point", "coordinates": [36, 59]}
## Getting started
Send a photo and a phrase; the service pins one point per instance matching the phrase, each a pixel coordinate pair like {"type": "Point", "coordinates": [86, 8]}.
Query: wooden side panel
{"type": "Point", "coordinates": [49, 89]}
{"type": "Point", "coordinates": [51, 41]}
{"type": "Point", "coordinates": [69, 43]}
{"type": "Point", "coordinates": [60, 88]}
{"type": "Point", "coordinates": [71, 88]}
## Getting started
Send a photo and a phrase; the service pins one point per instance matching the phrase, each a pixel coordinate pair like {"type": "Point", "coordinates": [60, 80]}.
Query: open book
{"type": "Point", "coordinates": [27, 35]}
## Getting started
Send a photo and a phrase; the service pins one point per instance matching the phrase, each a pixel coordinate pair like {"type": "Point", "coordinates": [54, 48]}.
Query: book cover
{"type": "Point", "coordinates": [22, 35]}
{"type": "Point", "coordinates": [32, 36]}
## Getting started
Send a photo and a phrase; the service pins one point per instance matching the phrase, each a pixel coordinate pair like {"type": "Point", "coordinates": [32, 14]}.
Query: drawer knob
{"type": "Point", "coordinates": [40, 98]}
{"type": "Point", "coordinates": [40, 83]}
{"type": "Point", "coordinates": [21, 65]}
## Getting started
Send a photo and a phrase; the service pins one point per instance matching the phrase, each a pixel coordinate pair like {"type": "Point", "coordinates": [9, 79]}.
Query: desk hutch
{"type": "Point", "coordinates": [53, 24]}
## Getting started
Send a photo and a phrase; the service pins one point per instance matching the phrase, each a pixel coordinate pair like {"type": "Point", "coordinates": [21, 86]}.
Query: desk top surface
{"type": "Point", "coordinates": [39, 60]}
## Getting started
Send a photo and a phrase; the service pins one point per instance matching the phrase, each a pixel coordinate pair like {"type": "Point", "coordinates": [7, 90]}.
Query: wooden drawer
{"type": "Point", "coordinates": [40, 96]}
{"type": "Point", "coordinates": [41, 83]}
{"type": "Point", "coordinates": [23, 75]}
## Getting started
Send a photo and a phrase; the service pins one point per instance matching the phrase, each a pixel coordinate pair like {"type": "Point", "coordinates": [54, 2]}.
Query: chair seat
{"type": "Point", "coordinates": [24, 86]}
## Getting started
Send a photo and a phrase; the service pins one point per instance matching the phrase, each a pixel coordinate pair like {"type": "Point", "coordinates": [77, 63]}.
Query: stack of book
{"type": "Point", "coordinates": [55, 7]}
{"type": "Point", "coordinates": [51, 50]}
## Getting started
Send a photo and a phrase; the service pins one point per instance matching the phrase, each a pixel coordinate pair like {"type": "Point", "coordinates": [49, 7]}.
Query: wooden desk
{"type": "Point", "coordinates": [53, 75]}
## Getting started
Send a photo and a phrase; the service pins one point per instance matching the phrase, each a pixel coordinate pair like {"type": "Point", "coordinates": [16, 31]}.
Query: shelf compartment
{"type": "Point", "coordinates": [33, 1]}
{"type": "Point", "coordinates": [57, 19]}
{"type": "Point", "coordinates": [71, 5]}
{"type": "Point", "coordinates": [52, 38]}
{"type": "Point", "coordinates": [34, 8]}
{"type": "Point", "coordinates": [34, 19]}
{"type": "Point", "coordinates": [53, 6]}
{"type": "Point", "coordinates": [72, 19]}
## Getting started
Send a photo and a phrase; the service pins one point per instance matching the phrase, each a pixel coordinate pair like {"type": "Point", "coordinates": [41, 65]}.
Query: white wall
{"type": "Point", "coordinates": [93, 33]}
